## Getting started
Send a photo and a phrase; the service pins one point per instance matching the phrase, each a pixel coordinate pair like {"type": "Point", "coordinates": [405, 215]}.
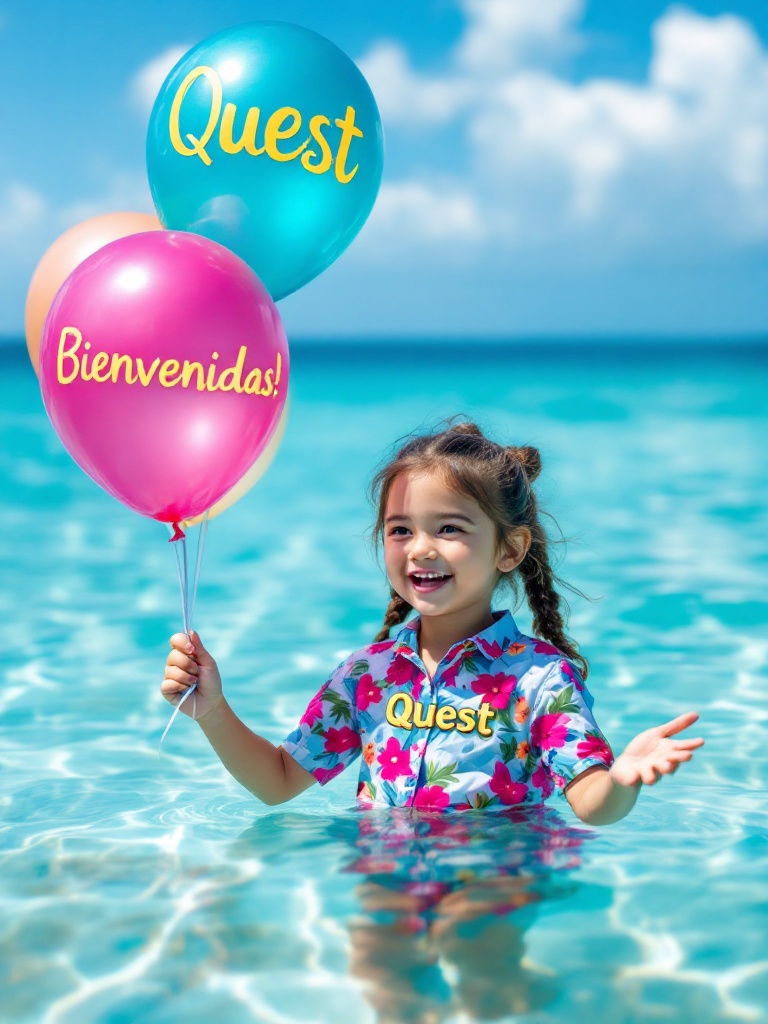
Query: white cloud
{"type": "Point", "coordinates": [423, 214]}
{"type": "Point", "coordinates": [679, 160]}
{"type": "Point", "coordinates": [702, 57]}
{"type": "Point", "coordinates": [145, 84]}
{"type": "Point", "coordinates": [501, 34]}
{"type": "Point", "coordinates": [717, 71]}
{"type": "Point", "coordinates": [405, 96]}
{"type": "Point", "coordinates": [544, 133]}
{"type": "Point", "coordinates": [22, 209]}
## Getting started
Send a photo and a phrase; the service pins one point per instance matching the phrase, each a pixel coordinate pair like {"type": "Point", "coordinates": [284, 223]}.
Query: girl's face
{"type": "Point", "coordinates": [440, 548]}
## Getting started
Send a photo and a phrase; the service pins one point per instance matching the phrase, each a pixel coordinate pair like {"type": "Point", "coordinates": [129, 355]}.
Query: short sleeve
{"type": "Point", "coordinates": [327, 738]}
{"type": "Point", "coordinates": [565, 738]}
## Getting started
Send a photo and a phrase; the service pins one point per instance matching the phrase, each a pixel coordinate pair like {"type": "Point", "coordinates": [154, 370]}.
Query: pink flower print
{"type": "Point", "coordinates": [395, 762]}
{"type": "Point", "coordinates": [451, 673]}
{"type": "Point", "coordinates": [431, 798]}
{"type": "Point", "coordinates": [541, 647]}
{"type": "Point", "coordinates": [542, 781]}
{"type": "Point", "coordinates": [324, 775]}
{"type": "Point", "coordinates": [367, 692]}
{"type": "Point", "coordinates": [501, 784]}
{"type": "Point", "coordinates": [495, 690]}
{"type": "Point", "coordinates": [314, 709]}
{"type": "Point", "coordinates": [549, 731]}
{"type": "Point", "coordinates": [382, 645]}
{"type": "Point", "coordinates": [569, 674]}
{"type": "Point", "coordinates": [446, 827]}
{"type": "Point", "coordinates": [595, 746]}
{"type": "Point", "coordinates": [339, 740]}
{"type": "Point", "coordinates": [491, 648]}
{"type": "Point", "coordinates": [402, 672]}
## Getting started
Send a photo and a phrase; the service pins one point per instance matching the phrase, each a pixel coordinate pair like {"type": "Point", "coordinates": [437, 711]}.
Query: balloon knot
{"type": "Point", "coordinates": [178, 534]}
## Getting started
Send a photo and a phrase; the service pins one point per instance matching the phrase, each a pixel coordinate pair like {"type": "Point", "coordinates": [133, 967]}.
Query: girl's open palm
{"type": "Point", "coordinates": [653, 753]}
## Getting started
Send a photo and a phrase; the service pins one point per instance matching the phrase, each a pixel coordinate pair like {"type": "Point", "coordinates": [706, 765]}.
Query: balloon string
{"type": "Point", "coordinates": [185, 567]}
{"type": "Point", "coordinates": [202, 533]}
{"type": "Point", "coordinates": [188, 599]}
{"type": "Point", "coordinates": [182, 581]}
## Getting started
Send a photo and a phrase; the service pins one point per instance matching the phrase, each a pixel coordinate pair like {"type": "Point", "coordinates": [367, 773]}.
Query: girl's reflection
{"type": "Point", "coordinates": [444, 901]}
{"type": "Point", "coordinates": [445, 905]}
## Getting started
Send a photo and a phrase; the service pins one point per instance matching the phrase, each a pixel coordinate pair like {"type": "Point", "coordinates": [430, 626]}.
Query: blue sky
{"type": "Point", "coordinates": [552, 167]}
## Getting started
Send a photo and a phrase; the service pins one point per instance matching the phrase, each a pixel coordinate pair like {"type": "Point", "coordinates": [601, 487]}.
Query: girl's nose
{"type": "Point", "coordinates": [422, 546]}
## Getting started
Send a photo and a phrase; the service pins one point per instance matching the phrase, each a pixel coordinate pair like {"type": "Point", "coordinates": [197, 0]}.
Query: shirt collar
{"type": "Point", "coordinates": [492, 641]}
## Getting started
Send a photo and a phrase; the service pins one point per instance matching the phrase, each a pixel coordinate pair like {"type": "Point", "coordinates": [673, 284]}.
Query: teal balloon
{"type": "Point", "coordinates": [266, 138]}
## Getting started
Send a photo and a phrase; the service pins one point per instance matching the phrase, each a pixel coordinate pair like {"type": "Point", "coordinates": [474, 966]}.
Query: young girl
{"type": "Point", "coordinates": [459, 709]}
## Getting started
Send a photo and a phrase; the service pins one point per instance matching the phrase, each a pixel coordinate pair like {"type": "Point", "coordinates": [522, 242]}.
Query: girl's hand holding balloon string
{"type": "Point", "coordinates": [269, 772]}
{"type": "Point", "coordinates": [188, 663]}
{"type": "Point", "coordinates": [652, 753]}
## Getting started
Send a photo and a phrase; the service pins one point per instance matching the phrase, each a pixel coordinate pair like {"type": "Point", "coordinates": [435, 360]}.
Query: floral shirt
{"type": "Point", "coordinates": [505, 719]}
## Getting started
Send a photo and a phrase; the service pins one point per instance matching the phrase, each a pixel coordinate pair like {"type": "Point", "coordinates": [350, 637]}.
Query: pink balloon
{"type": "Point", "coordinates": [164, 370]}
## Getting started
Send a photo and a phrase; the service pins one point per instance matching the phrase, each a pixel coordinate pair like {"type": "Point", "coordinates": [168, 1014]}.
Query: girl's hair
{"type": "Point", "coordinates": [499, 479]}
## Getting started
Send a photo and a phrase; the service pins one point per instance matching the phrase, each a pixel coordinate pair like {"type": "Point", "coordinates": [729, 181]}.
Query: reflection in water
{"type": "Point", "coordinates": [442, 903]}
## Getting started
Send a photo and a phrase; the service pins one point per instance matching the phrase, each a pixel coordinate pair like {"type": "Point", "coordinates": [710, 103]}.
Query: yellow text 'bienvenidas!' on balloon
{"type": "Point", "coordinates": [284, 123]}
{"type": "Point", "coordinates": [76, 361]}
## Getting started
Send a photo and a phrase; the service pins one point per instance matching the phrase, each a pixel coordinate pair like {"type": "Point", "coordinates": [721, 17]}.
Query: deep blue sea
{"type": "Point", "coordinates": [138, 886]}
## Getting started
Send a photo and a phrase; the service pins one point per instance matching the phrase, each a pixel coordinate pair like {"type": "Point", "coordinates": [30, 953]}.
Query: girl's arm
{"type": "Point", "coordinates": [600, 797]}
{"type": "Point", "coordinates": [267, 771]}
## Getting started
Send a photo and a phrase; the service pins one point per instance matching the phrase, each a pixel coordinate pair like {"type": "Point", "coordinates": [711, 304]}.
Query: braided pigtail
{"type": "Point", "coordinates": [397, 609]}
{"type": "Point", "coordinates": [543, 599]}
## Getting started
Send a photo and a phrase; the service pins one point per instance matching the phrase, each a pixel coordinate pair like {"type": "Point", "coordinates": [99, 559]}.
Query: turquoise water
{"type": "Point", "coordinates": [139, 887]}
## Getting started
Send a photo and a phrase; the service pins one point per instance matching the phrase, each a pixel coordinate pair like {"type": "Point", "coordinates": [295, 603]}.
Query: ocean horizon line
{"type": "Point", "coordinates": [727, 341]}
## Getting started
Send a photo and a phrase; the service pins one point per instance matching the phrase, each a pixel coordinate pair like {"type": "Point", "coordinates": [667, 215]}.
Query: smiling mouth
{"type": "Point", "coordinates": [427, 582]}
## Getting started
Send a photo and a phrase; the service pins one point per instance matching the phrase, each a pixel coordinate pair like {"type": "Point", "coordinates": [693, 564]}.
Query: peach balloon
{"type": "Point", "coordinates": [66, 253]}
{"type": "Point", "coordinates": [257, 470]}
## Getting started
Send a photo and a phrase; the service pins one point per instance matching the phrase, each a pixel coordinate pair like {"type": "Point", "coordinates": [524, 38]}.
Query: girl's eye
{"type": "Point", "coordinates": [402, 531]}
